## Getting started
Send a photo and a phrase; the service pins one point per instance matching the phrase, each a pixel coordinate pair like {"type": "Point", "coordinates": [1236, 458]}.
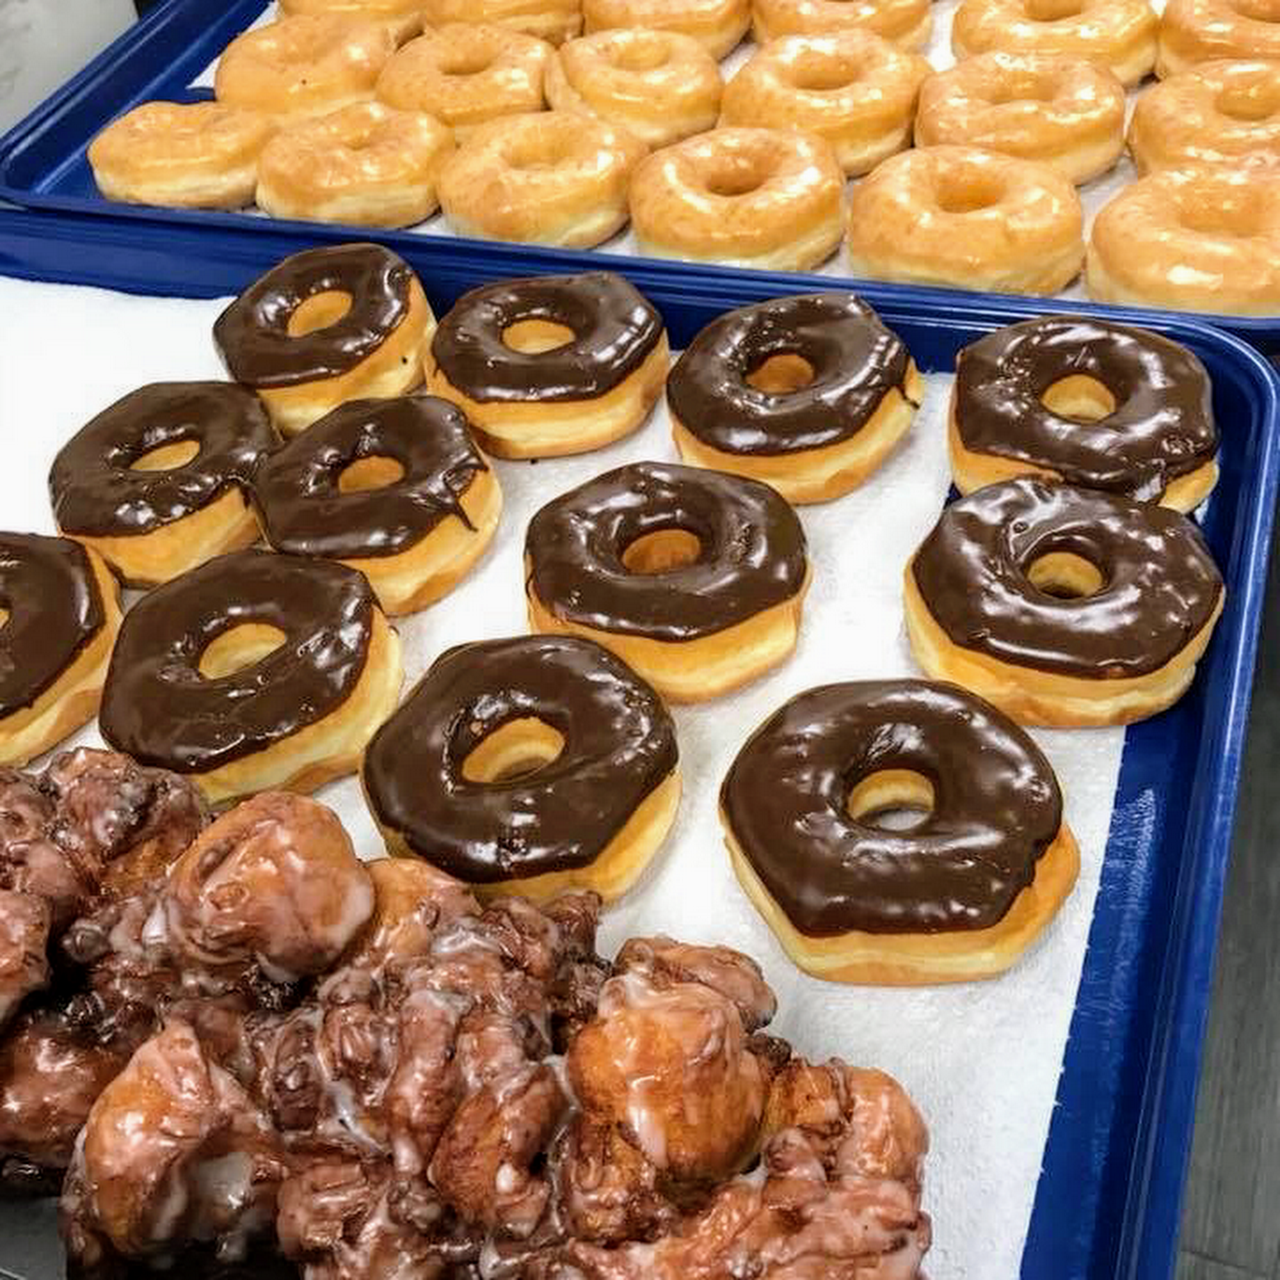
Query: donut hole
{"type": "Point", "coordinates": [1258, 10]}
{"type": "Point", "coordinates": [824, 75]}
{"type": "Point", "coordinates": [318, 312]}
{"type": "Point", "coordinates": [782, 374]}
{"type": "Point", "coordinates": [966, 192]}
{"type": "Point", "coordinates": [533, 337]}
{"type": "Point", "coordinates": [1080, 397]}
{"type": "Point", "coordinates": [891, 799]}
{"type": "Point", "coordinates": [1053, 10]}
{"type": "Point", "coordinates": [518, 749]}
{"type": "Point", "coordinates": [640, 54]}
{"type": "Point", "coordinates": [466, 62]}
{"type": "Point", "coordinates": [534, 151]}
{"type": "Point", "coordinates": [369, 473]}
{"type": "Point", "coordinates": [1021, 88]}
{"type": "Point", "coordinates": [734, 176]}
{"type": "Point", "coordinates": [165, 457]}
{"type": "Point", "coordinates": [662, 551]}
{"type": "Point", "coordinates": [1234, 215]}
{"type": "Point", "coordinates": [239, 647]}
{"type": "Point", "coordinates": [1249, 102]}
{"type": "Point", "coordinates": [1065, 576]}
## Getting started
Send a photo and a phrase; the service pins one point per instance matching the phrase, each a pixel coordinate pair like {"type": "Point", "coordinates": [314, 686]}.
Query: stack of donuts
{"type": "Point", "coordinates": [557, 122]}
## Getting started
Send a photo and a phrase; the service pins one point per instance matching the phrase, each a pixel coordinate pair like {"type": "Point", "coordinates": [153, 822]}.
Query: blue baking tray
{"type": "Point", "coordinates": [43, 164]}
{"type": "Point", "coordinates": [1108, 1200]}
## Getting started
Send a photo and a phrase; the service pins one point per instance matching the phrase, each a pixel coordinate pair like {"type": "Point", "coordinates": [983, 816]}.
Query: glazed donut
{"type": "Point", "coordinates": [194, 155]}
{"type": "Point", "coordinates": [661, 85]}
{"type": "Point", "coordinates": [551, 20]}
{"type": "Point", "coordinates": [743, 197]}
{"type": "Point", "coordinates": [551, 365]}
{"type": "Point", "coordinates": [464, 75]}
{"type": "Point", "coordinates": [905, 22]}
{"type": "Point", "coordinates": [967, 219]}
{"type": "Point", "coordinates": [1063, 606]}
{"type": "Point", "coordinates": [394, 488]}
{"type": "Point", "coordinates": [1065, 112]}
{"type": "Point", "coordinates": [1119, 34]}
{"type": "Point", "coordinates": [403, 16]}
{"type": "Point", "coordinates": [304, 66]}
{"type": "Point", "coordinates": [1096, 404]}
{"type": "Point", "coordinates": [158, 483]}
{"type": "Point", "coordinates": [367, 164]}
{"type": "Point", "coordinates": [552, 177]}
{"type": "Point", "coordinates": [959, 895]}
{"type": "Point", "coordinates": [717, 25]}
{"type": "Point", "coordinates": [1194, 31]}
{"type": "Point", "coordinates": [254, 672]}
{"type": "Point", "coordinates": [808, 393]}
{"type": "Point", "coordinates": [61, 610]}
{"type": "Point", "coordinates": [850, 87]}
{"type": "Point", "coordinates": [532, 766]}
{"type": "Point", "coordinates": [1191, 240]}
{"type": "Point", "coordinates": [327, 325]}
{"type": "Point", "coordinates": [1218, 113]}
{"type": "Point", "coordinates": [694, 578]}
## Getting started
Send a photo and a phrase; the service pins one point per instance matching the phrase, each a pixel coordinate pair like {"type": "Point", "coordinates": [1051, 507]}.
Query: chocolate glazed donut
{"type": "Point", "coordinates": [956, 896]}
{"type": "Point", "coordinates": [1158, 443]}
{"type": "Point", "coordinates": [589, 814]}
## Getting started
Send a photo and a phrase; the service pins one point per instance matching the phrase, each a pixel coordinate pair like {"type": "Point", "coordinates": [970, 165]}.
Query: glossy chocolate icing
{"type": "Point", "coordinates": [304, 512]}
{"type": "Point", "coordinates": [753, 552]}
{"type": "Point", "coordinates": [159, 708]}
{"type": "Point", "coordinates": [1160, 585]}
{"type": "Point", "coordinates": [856, 362]}
{"type": "Point", "coordinates": [253, 332]}
{"type": "Point", "coordinates": [1162, 426]}
{"type": "Point", "coordinates": [615, 329]}
{"type": "Point", "coordinates": [997, 807]}
{"type": "Point", "coordinates": [92, 483]}
{"type": "Point", "coordinates": [619, 744]}
{"type": "Point", "coordinates": [55, 608]}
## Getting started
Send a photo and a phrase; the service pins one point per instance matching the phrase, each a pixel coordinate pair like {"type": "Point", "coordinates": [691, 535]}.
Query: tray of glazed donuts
{"type": "Point", "coordinates": [805, 736]}
{"type": "Point", "coordinates": [1119, 151]}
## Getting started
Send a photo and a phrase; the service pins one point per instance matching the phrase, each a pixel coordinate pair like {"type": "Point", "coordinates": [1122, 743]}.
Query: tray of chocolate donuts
{"type": "Point", "coordinates": [1115, 151]}
{"type": "Point", "coordinates": [529, 776]}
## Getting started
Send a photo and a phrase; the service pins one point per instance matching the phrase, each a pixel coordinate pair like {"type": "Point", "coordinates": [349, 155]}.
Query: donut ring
{"type": "Point", "coordinates": [153, 522]}
{"type": "Point", "coordinates": [1067, 112]}
{"type": "Point", "coordinates": [403, 16]}
{"type": "Point", "coordinates": [325, 326]}
{"type": "Point", "coordinates": [552, 20]}
{"type": "Point", "coordinates": [304, 66]}
{"type": "Point", "coordinates": [1063, 606]}
{"type": "Point", "coordinates": [907, 23]}
{"type": "Point", "coordinates": [289, 702]}
{"type": "Point", "coordinates": [61, 611]}
{"type": "Point", "coordinates": [850, 87]}
{"type": "Point", "coordinates": [661, 85]}
{"type": "Point", "coordinates": [1156, 440]}
{"type": "Point", "coordinates": [465, 75]}
{"type": "Point", "coordinates": [193, 155]}
{"type": "Point", "coordinates": [1217, 113]}
{"type": "Point", "coordinates": [717, 25]}
{"type": "Point", "coordinates": [537, 402]}
{"type": "Point", "coordinates": [1193, 240]}
{"type": "Point", "coordinates": [742, 197]}
{"type": "Point", "coordinates": [552, 178]}
{"type": "Point", "coordinates": [415, 536]}
{"type": "Point", "coordinates": [448, 777]}
{"type": "Point", "coordinates": [813, 442]}
{"type": "Point", "coordinates": [967, 219]}
{"type": "Point", "coordinates": [614, 561]}
{"type": "Point", "coordinates": [958, 896]}
{"type": "Point", "coordinates": [1119, 34]}
{"type": "Point", "coordinates": [366, 164]}
{"type": "Point", "coordinates": [1193, 31]}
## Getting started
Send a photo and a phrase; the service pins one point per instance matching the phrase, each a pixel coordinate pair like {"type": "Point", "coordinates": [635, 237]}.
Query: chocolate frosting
{"type": "Point", "coordinates": [615, 330]}
{"type": "Point", "coordinates": [619, 744]}
{"type": "Point", "coordinates": [1160, 585]}
{"type": "Point", "coordinates": [996, 808]}
{"type": "Point", "coordinates": [253, 332]}
{"type": "Point", "coordinates": [55, 608]}
{"type": "Point", "coordinates": [856, 363]}
{"type": "Point", "coordinates": [753, 552]}
{"type": "Point", "coordinates": [1162, 426]}
{"type": "Point", "coordinates": [159, 708]}
{"type": "Point", "coordinates": [303, 510]}
{"type": "Point", "coordinates": [92, 484]}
